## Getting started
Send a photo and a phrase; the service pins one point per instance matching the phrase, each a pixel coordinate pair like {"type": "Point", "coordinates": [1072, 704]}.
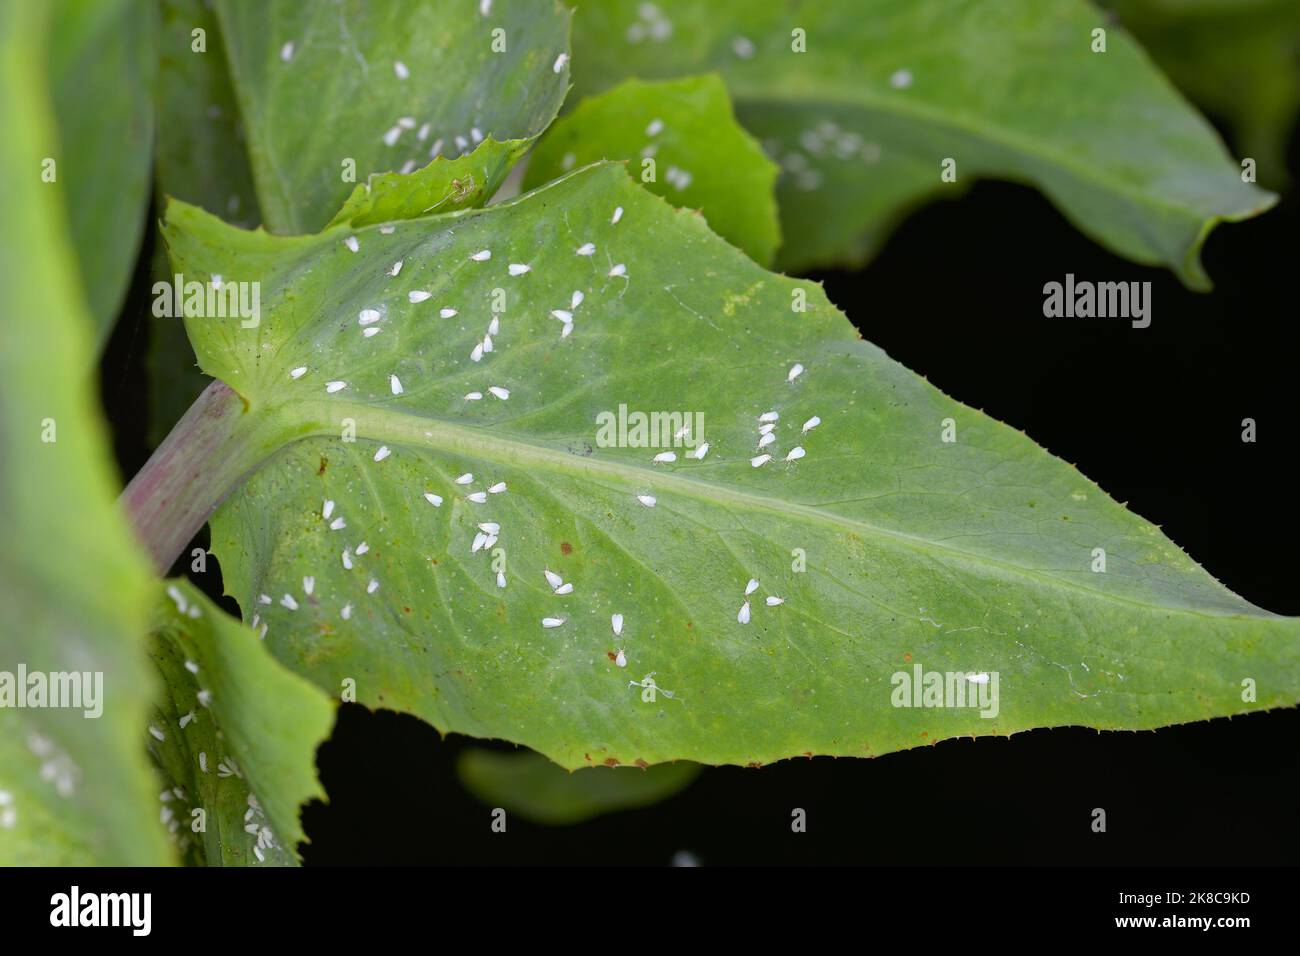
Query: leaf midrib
{"type": "Point", "coordinates": [377, 423]}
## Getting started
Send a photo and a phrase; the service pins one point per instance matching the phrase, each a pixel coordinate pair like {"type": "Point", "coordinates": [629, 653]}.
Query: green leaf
{"type": "Point", "coordinates": [888, 89]}
{"type": "Point", "coordinates": [246, 754]}
{"type": "Point", "coordinates": [530, 786]}
{"type": "Point", "coordinates": [102, 60]}
{"type": "Point", "coordinates": [74, 790]}
{"type": "Point", "coordinates": [444, 185]}
{"type": "Point", "coordinates": [200, 158]}
{"type": "Point", "coordinates": [890, 546]}
{"type": "Point", "coordinates": [1236, 59]}
{"type": "Point", "coordinates": [366, 69]}
{"type": "Point", "coordinates": [704, 159]}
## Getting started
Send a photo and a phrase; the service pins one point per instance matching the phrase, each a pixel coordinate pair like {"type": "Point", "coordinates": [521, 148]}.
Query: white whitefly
{"type": "Point", "coordinates": [447, 313]}
{"type": "Point", "coordinates": [418, 295]}
{"type": "Point", "coordinates": [751, 587]}
{"type": "Point", "coordinates": [352, 244]}
{"type": "Point", "coordinates": [289, 602]}
{"type": "Point", "coordinates": [392, 135]}
{"type": "Point", "coordinates": [338, 524]}
{"type": "Point", "coordinates": [648, 500]}
{"type": "Point", "coordinates": [466, 478]}
{"type": "Point", "coordinates": [620, 658]}
{"type": "Point", "coordinates": [795, 453]}
{"type": "Point", "coordinates": [435, 500]}
{"type": "Point", "coordinates": [664, 456]}
{"type": "Point", "coordinates": [501, 579]}
{"type": "Point", "coordinates": [576, 299]}
{"type": "Point", "coordinates": [499, 487]}
{"type": "Point", "coordinates": [618, 214]}
{"type": "Point", "coordinates": [701, 451]}
{"type": "Point", "coordinates": [477, 497]}
{"type": "Point", "coordinates": [372, 331]}
{"type": "Point", "coordinates": [383, 453]}
{"type": "Point", "coordinates": [586, 249]}
{"type": "Point", "coordinates": [900, 79]}
{"type": "Point", "coordinates": [476, 354]}
{"type": "Point", "coordinates": [616, 624]}
{"type": "Point", "coordinates": [479, 540]}
{"type": "Point", "coordinates": [655, 127]}
{"type": "Point", "coordinates": [795, 371]}
{"type": "Point", "coordinates": [566, 588]}
{"type": "Point", "coordinates": [346, 613]}
{"type": "Point", "coordinates": [400, 69]}
{"type": "Point", "coordinates": [489, 527]}
{"type": "Point", "coordinates": [473, 396]}
{"type": "Point", "coordinates": [552, 621]}
{"type": "Point", "coordinates": [566, 330]}
{"type": "Point", "coordinates": [766, 439]}
{"type": "Point", "coordinates": [560, 60]}
{"type": "Point", "coordinates": [483, 255]}
{"type": "Point", "coordinates": [308, 585]}
{"type": "Point", "coordinates": [397, 268]}
{"type": "Point", "coordinates": [499, 392]}
{"type": "Point", "coordinates": [362, 548]}
{"type": "Point", "coordinates": [562, 314]}
{"type": "Point", "coordinates": [395, 384]}
{"type": "Point", "coordinates": [494, 326]}
{"type": "Point", "coordinates": [333, 387]}
{"type": "Point", "coordinates": [618, 271]}
{"type": "Point", "coordinates": [766, 429]}
{"type": "Point", "coordinates": [759, 460]}
{"type": "Point", "coordinates": [326, 510]}
{"type": "Point", "coordinates": [476, 134]}
{"type": "Point", "coordinates": [810, 424]}
{"type": "Point", "coordinates": [346, 558]}
{"type": "Point", "coordinates": [773, 600]}
{"type": "Point", "coordinates": [743, 615]}
{"type": "Point", "coordinates": [368, 316]}
{"type": "Point", "coordinates": [518, 268]}
{"type": "Point", "coordinates": [298, 372]}
{"type": "Point", "coordinates": [769, 417]}
{"type": "Point", "coordinates": [372, 587]}
{"type": "Point", "coordinates": [286, 52]}
{"type": "Point", "coordinates": [553, 579]}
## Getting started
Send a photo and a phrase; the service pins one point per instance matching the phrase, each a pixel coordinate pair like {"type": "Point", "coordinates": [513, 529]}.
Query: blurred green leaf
{"type": "Point", "coordinates": [103, 55]}
{"type": "Point", "coordinates": [887, 90]}
{"type": "Point", "coordinates": [530, 786]}
{"type": "Point", "coordinates": [1237, 59]}
{"type": "Point", "coordinates": [703, 158]}
{"type": "Point", "coordinates": [74, 587]}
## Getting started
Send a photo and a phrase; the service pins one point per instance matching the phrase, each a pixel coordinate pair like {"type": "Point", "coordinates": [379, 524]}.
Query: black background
{"type": "Point", "coordinates": [1153, 415]}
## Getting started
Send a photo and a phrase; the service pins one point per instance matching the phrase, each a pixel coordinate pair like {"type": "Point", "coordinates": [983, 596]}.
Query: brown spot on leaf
{"type": "Point", "coordinates": [323, 462]}
{"type": "Point", "coordinates": [611, 761]}
{"type": "Point", "coordinates": [611, 655]}
{"type": "Point", "coordinates": [566, 548]}
{"type": "Point", "coordinates": [907, 657]}
{"type": "Point", "coordinates": [641, 763]}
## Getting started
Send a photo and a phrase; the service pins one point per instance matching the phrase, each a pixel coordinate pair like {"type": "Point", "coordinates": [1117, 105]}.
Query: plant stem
{"type": "Point", "coordinates": [212, 448]}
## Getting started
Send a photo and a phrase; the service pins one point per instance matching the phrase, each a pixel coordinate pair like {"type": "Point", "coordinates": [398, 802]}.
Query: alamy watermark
{"type": "Point", "coordinates": [75, 690]}
{"type": "Point", "coordinates": [624, 429]}
{"type": "Point", "coordinates": [1101, 300]}
{"type": "Point", "coordinates": [946, 689]}
{"type": "Point", "coordinates": [215, 299]}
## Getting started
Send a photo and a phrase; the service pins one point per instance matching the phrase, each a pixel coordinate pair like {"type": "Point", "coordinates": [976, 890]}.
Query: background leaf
{"type": "Point", "coordinates": [102, 60]}
{"type": "Point", "coordinates": [257, 734]}
{"type": "Point", "coordinates": [530, 786]}
{"type": "Point", "coordinates": [889, 88]}
{"type": "Point", "coordinates": [704, 159]}
{"type": "Point", "coordinates": [1238, 59]}
{"type": "Point", "coordinates": [969, 557]}
{"type": "Point", "coordinates": [368, 67]}
{"type": "Point", "coordinates": [200, 157]}
{"type": "Point", "coordinates": [73, 585]}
